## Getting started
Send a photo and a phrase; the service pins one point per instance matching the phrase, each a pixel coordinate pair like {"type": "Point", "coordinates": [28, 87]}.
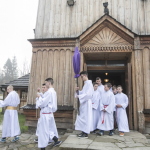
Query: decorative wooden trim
{"type": "Point", "coordinates": [53, 43]}
{"type": "Point", "coordinates": [111, 26]}
{"type": "Point", "coordinates": [119, 48]}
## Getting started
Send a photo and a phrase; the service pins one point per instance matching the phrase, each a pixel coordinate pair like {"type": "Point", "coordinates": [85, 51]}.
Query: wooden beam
{"type": "Point", "coordinates": [134, 92]}
{"type": "Point", "coordinates": [106, 68]}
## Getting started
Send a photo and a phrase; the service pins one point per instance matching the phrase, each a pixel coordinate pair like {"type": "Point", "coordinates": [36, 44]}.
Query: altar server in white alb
{"type": "Point", "coordinates": [95, 106]}
{"type": "Point", "coordinates": [11, 126]}
{"type": "Point", "coordinates": [47, 126]}
{"type": "Point", "coordinates": [84, 119]}
{"type": "Point", "coordinates": [44, 89]}
{"type": "Point", "coordinates": [100, 85]}
{"type": "Point", "coordinates": [121, 103]}
{"type": "Point", "coordinates": [107, 104]}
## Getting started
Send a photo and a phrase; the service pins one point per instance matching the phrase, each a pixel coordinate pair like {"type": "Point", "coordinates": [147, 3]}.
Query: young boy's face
{"type": "Point", "coordinates": [98, 82]}
{"type": "Point", "coordinates": [83, 77]}
{"type": "Point", "coordinates": [119, 89]}
{"type": "Point", "coordinates": [115, 91]}
{"type": "Point", "coordinates": [43, 89]}
{"type": "Point", "coordinates": [106, 88]}
{"type": "Point", "coordinates": [95, 87]}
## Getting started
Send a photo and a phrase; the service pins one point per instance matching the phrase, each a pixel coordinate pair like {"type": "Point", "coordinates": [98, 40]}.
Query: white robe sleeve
{"type": "Point", "coordinates": [110, 107]}
{"type": "Point", "coordinates": [37, 100]}
{"type": "Point", "coordinates": [6, 102]}
{"type": "Point", "coordinates": [96, 103]}
{"type": "Point", "coordinates": [80, 92]}
{"type": "Point", "coordinates": [43, 102]}
{"type": "Point", "coordinates": [54, 97]}
{"type": "Point", "coordinates": [86, 96]}
{"type": "Point", "coordinates": [125, 104]}
{"type": "Point", "coordinates": [101, 105]}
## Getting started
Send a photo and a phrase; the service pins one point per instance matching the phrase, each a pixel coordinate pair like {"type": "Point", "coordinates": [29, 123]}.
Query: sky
{"type": "Point", "coordinates": [17, 21]}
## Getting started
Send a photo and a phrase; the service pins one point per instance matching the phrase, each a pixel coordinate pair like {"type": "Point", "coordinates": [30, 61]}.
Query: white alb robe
{"type": "Point", "coordinates": [107, 98]}
{"type": "Point", "coordinates": [101, 89]}
{"type": "Point", "coordinates": [95, 108]}
{"type": "Point", "coordinates": [111, 89]}
{"type": "Point", "coordinates": [121, 116]}
{"type": "Point", "coordinates": [83, 121]}
{"type": "Point", "coordinates": [10, 122]}
{"type": "Point", "coordinates": [47, 127]}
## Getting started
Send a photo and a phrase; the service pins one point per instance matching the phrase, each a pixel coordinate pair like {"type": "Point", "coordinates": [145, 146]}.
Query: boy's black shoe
{"type": "Point", "coordinates": [80, 134]}
{"type": "Point", "coordinates": [83, 136]}
{"type": "Point", "coordinates": [94, 132]}
{"type": "Point", "coordinates": [36, 140]}
{"type": "Point", "coordinates": [57, 143]}
{"type": "Point", "coordinates": [111, 133]}
{"type": "Point", "coordinates": [101, 133]}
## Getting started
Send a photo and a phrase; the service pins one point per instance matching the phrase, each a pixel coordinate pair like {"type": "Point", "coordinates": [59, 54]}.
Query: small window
{"type": "Point", "coordinates": [116, 63]}
{"type": "Point", "coordinates": [95, 63]}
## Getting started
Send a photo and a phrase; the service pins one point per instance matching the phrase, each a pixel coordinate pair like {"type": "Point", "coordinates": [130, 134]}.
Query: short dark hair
{"type": "Point", "coordinates": [84, 73]}
{"type": "Point", "coordinates": [94, 83]}
{"type": "Point", "coordinates": [50, 80]}
{"type": "Point", "coordinates": [114, 87]}
{"type": "Point", "coordinates": [98, 78]}
{"type": "Point", "coordinates": [119, 86]}
{"type": "Point", "coordinates": [43, 84]}
{"type": "Point", "coordinates": [108, 85]}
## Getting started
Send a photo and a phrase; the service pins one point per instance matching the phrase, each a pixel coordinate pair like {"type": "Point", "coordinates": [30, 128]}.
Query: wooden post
{"type": "Point", "coordinates": [61, 78]}
{"type": "Point", "coordinates": [139, 88]}
{"type": "Point", "coordinates": [67, 77]}
{"type": "Point", "coordinates": [134, 92]}
{"type": "Point", "coordinates": [146, 66]}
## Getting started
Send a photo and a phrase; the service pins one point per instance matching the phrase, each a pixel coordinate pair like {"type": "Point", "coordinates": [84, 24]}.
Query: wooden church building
{"type": "Point", "coordinates": [114, 44]}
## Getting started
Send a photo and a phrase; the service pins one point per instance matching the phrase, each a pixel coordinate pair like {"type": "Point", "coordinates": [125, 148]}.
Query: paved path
{"type": "Point", "coordinates": [131, 141]}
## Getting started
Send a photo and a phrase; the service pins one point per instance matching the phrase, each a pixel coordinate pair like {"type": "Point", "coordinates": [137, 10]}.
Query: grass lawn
{"type": "Point", "coordinates": [21, 118]}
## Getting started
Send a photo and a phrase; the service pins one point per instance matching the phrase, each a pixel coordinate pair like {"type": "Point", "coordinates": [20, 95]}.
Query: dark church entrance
{"type": "Point", "coordinates": [114, 68]}
{"type": "Point", "coordinates": [115, 77]}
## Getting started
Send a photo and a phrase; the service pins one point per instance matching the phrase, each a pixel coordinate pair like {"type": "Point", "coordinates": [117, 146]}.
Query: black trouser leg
{"type": "Point", "coordinates": [42, 148]}
{"type": "Point", "coordinates": [55, 139]}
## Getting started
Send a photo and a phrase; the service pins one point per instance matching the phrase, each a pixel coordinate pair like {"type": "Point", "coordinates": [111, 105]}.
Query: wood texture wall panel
{"type": "Point", "coordinates": [40, 19]}
{"type": "Point", "coordinates": [67, 30]}
{"type": "Point", "coordinates": [114, 10]}
{"type": "Point", "coordinates": [128, 14]}
{"type": "Point", "coordinates": [38, 70]}
{"type": "Point", "coordinates": [62, 18]}
{"type": "Point", "coordinates": [135, 16]}
{"type": "Point", "coordinates": [73, 22]}
{"type": "Point", "coordinates": [55, 69]}
{"type": "Point", "coordinates": [44, 66]}
{"type": "Point", "coordinates": [146, 65]}
{"type": "Point", "coordinates": [141, 17]}
{"type": "Point", "coordinates": [50, 63]}
{"type": "Point", "coordinates": [67, 77]}
{"type": "Point", "coordinates": [32, 80]}
{"type": "Point", "coordinates": [60, 93]}
{"type": "Point", "coordinates": [121, 13]}
{"type": "Point", "coordinates": [51, 19]}
{"type": "Point", "coordinates": [46, 18]}
{"type": "Point", "coordinates": [147, 15]}
{"type": "Point", "coordinates": [56, 19]}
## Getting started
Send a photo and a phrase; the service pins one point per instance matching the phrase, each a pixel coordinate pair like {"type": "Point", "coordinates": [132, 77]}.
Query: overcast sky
{"type": "Point", "coordinates": [17, 21]}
